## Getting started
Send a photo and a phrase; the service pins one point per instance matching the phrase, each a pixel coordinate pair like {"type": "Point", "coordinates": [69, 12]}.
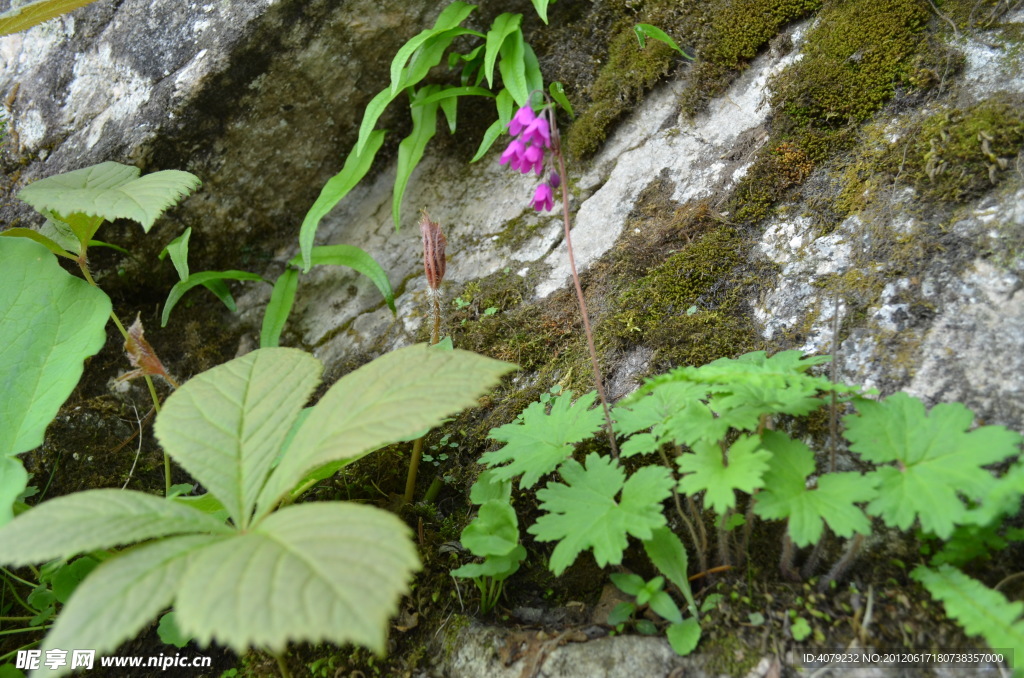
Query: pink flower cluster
{"type": "Point", "coordinates": [526, 152]}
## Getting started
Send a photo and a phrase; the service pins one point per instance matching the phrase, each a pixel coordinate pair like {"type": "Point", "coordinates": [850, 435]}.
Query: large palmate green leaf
{"type": "Point", "coordinates": [112, 191]}
{"type": "Point", "coordinates": [386, 401]}
{"type": "Point", "coordinates": [34, 13]}
{"type": "Point", "coordinates": [50, 321]}
{"type": "Point", "coordinates": [319, 571]}
{"type": "Point", "coordinates": [325, 571]}
{"type": "Point", "coordinates": [226, 426]}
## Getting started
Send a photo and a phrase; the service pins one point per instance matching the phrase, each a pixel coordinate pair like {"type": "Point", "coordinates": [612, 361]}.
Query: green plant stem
{"type": "Point", "coordinates": [417, 447]}
{"type": "Point", "coordinates": [414, 466]}
{"type": "Point", "coordinates": [282, 666]}
{"type": "Point", "coordinates": [556, 148]}
{"type": "Point", "coordinates": [435, 488]}
{"type": "Point", "coordinates": [13, 653]}
{"type": "Point", "coordinates": [7, 619]}
{"type": "Point", "coordinates": [16, 577]}
{"type": "Point", "coordinates": [30, 629]}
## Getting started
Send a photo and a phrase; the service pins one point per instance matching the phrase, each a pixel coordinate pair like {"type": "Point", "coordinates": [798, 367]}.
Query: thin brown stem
{"type": "Point", "coordinates": [566, 221]}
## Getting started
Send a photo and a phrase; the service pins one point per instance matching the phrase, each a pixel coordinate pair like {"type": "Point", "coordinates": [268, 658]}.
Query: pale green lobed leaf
{"type": "Point", "coordinates": [583, 513]}
{"type": "Point", "coordinates": [227, 425]}
{"type": "Point", "coordinates": [785, 493]}
{"type": "Point", "coordinates": [122, 595]}
{"type": "Point", "coordinates": [50, 322]}
{"type": "Point", "coordinates": [707, 471]}
{"type": "Point", "coordinates": [494, 531]}
{"type": "Point", "coordinates": [394, 396]}
{"type": "Point", "coordinates": [96, 519]}
{"type": "Point", "coordinates": [313, 572]}
{"type": "Point", "coordinates": [112, 191]}
{"type": "Point", "coordinates": [539, 440]}
{"type": "Point", "coordinates": [938, 459]}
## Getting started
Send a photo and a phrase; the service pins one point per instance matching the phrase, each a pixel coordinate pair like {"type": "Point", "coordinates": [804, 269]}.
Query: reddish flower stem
{"type": "Point", "coordinates": [556, 148]}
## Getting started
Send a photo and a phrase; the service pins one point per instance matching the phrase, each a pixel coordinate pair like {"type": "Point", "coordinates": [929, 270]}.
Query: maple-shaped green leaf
{"type": "Point", "coordinates": [938, 460]}
{"type": "Point", "coordinates": [834, 500]}
{"type": "Point", "coordinates": [539, 440]}
{"type": "Point", "coordinates": [112, 191]}
{"type": "Point", "coordinates": [584, 512]}
{"type": "Point", "coordinates": [677, 413]}
{"type": "Point", "coordinates": [706, 469]}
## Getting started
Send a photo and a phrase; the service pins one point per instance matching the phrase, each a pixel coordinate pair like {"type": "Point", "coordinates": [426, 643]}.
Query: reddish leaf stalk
{"type": "Point", "coordinates": [556, 148]}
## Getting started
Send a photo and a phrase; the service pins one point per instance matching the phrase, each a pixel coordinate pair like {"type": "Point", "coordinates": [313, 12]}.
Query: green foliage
{"type": "Point", "coordinates": [542, 437]}
{"type": "Point", "coordinates": [648, 31]}
{"type": "Point", "coordinates": [319, 571]}
{"type": "Point", "coordinates": [494, 536]}
{"type": "Point", "coordinates": [719, 473]}
{"type": "Point", "coordinates": [107, 191]}
{"type": "Point", "coordinates": [787, 496]}
{"type": "Point", "coordinates": [978, 609]}
{"type": "Point", "coordinates": [936, 459]}
{"type": "Point", "coordinates": [584, 513]}
{"type": "Point", "coordinates": [34, 13]}
{"type": "Point", "coordinates": [50, 322]}
{"type": "Point", "coordinates": [503, 46]}
{"type": "Point", "coordinates": [282, 298]}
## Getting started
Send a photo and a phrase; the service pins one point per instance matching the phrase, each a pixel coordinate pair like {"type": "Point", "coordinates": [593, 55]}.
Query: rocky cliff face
{"type": "Point", "coordinates": [842, 178]}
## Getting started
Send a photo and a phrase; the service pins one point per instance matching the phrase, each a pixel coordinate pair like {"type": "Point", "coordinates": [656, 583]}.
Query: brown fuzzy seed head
{"type": "Point", "coordinates": [434, 243]}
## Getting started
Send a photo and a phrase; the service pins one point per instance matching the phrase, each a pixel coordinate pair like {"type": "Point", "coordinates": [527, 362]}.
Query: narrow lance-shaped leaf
{"type": "Point", "coordinates": [207, 279]}
{"type": "Point", "coordinates": [178, 251]}
{"type": "Point", "coordinates": [410, 150]}
{"type": "Point", "coordinates": [226, 426]}
{"type": "Point", "coordinates": [356, 259]}
{"type": "Point", "coordinates": [513, 68]}
{"type": "Point", "coordinates": [977, 608]}
{"type": "Point", "coordinates": [112, 191]}
{"type": "Point", "coordinates": [282, 298]}
{"type": "Point", "coordinates": [50, 322]}
{"type": "Point", "coordinates": [503, 26]}
{"type": "Point", "coordinates": [33, 13]}
{"type": "Point", "coordinates": [394, 396]}
{"type": "Point", "coordinates": [357, 164]}
{"type": "Point", "coordinates": [452, 15]}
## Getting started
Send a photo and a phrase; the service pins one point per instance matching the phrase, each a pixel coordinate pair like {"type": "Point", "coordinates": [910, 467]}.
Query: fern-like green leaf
{"type": "Point", "coordinates": [981, 611]}
{"type": "Point", "coordinates": [937, 459]}
{"type": "Point", "coordinates": [583, 513]}
{"type": "Point", "coordinates": [707, 470]}
{"type": "Point", "coordinates": [503, 26]}
{"type": "Point", "coordinates": [539, 440]}
{"type": "Point", "coordinates": [834, 501]}
{"type": "Point", "coordinates": [112, 191]}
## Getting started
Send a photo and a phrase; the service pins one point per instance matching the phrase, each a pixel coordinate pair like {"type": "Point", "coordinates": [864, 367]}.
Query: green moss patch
{"type": "Point", "coordinates": [691, 306]}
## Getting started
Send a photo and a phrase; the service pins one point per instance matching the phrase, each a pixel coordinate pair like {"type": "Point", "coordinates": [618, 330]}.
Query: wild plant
{"type": "Point", "coordinates": [49, 320]}
{"type": "Point", "coordinates": [272, 572]}
{"type": "Point", "coordinates": [718, 451]}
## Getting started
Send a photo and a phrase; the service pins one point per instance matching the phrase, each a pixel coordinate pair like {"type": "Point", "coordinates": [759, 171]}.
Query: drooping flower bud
{"type": "Point", "coordinates": [142, 356]}
{"type": "Point", "coordinates": [434, 243]}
